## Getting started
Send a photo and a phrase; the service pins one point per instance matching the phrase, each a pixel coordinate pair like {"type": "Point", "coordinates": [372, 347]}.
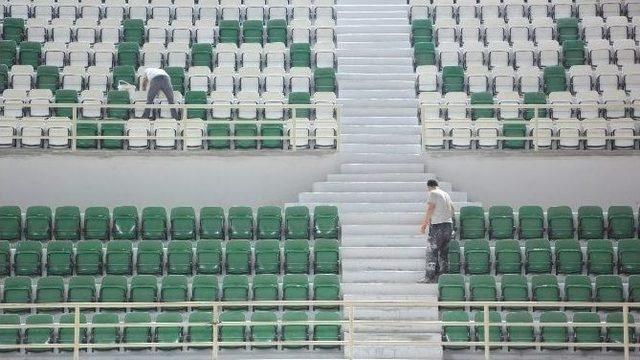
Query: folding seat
{"type": "Point", "coordinates": [198, 79]}
{"type": "Point", "coordinates": [10, 223]}
{"type": "Point", "coordinates": [469, 32]}
{"type": "Point", "coordinates": [104, 55]}
{"type": "Point", "coordinates": [88, 257]}
{"type": "Point", "coordinates": [567, 29]}
{"type": "Point", "coordinates": [229, 31]}
{"type": "Point", "coordinates": [38, 223]}
{"type": "Point", "coordinates": [125, 222]}
{"type": "Point", "coordinates": [137, 333]}
{"type": "Point", "coordinates": [508, 257]}
{"type": "Point", "coordinates": [421, 31]}
{"type": "Point", "coordinates": [592, 28]}
{"type": "Point", "coordinates": [451, 287]}
{"type": "Point", "coordinates": [503, 79]}
{"type": "Point", "coordinates": [240, 222]}
{"type": "Point", "coordinates": [615, 334]}
{"type": "Point", "coordinates": [631, 77]}
{"type": "Point", "coordinates": [21, 77]}
{"type": "Point", "coordinates": [295, 287]}
{"type": "Point", "coordinates": [294, 332]}
{"type": "Point", "coordinates": [607, 77]}
{"type": "Point", "coordinates": [67, 223]}
{"type": "Point", "coordinates": [495, 330]}
{"type": "Point", "coordinates": [276, 31]}
{"type": "Point", "coordinates": [204, 32]}
{"type": "Point", "coordinates": [568, 256]}
{"type": "Point", "coordinates": [443, 9]}
{"type": "Point", "coordinates": [252, 31]}
{"type": "Point", "coordinates": [233, 332]}
{"type": "Point", "coordinates": [8, 52]}
{"type": "Point", "coordinates": [448, 54]}
{"type": "Point", "coordinates": [590, 222]}
{"type": "Point", "coordinates": [169, 334]}
{"type": "Point", "coordinates": [545, 288]}
{"type": "Point", "coordinates": [32, 132]}
{"type": "Point", "coordinates": [10, 336]}
{"type": "Point", "coordinates": [560, 222]}
{"type": "Point", "coordinates": [39, 335]}
{"type": "Point", "coordinates": [250, 56]}
{"type": "Point", "coordinates": [144, 288]}
{"type": "Point", "coordinates": [235, 288]}
{"type": "Point", "coordinates": [13, 101]}
{"type": "Point", "coordinates": [628, 256]}
{"type": "Point", "coordinates": [499, 54]}
{"type": "Point", "coordinates": [489, 10]}
{"type": "Point", "coordinates": [238, 257]}
{"type": "Point", "coordinates": [524, 54]}
{"type": "Point", "coordinates": [624, 52]}
{"type": "Point", "coordinates": [196, 97]}
{"type": "Point", "coordinates": [5, 257]}
{"type": "Point", "coordinates": [86, 31]}
{"type": "Point", "coordinates": [265, 288]}
{"type": "Point", "coordinates": [614, 104]}
{"type": "Point", "coordinates": [472, 224]}
{"type": "Point", "coordinates": [30, 53]}
{"type": "Point", "coordinates": [181, 30]}
{"type": "Point", "coordinates": [481, 98]}
{"type": "Point", "coordinates": [598, 52]}
{"type": "Point", "coordinates": [174, 288]}
{"type": "Point", "coordinates": [296, 257]}
{"type": "Point", "coordinates": [149, 257]}
{"type": "Point", "coordinates": [588, 105]}
{"type": "Point", "coordinates": [633, 288]}
{"type": "Point", "coordinates": [554, 79]}
{"type": "Point", "coordinates": [118, 258]}
{"type": "Point", "coordinates": [113, 289]}
{"type": "Point", "coordinates": [81, 289]}
{"type": "Point", "coordinates": [40, 99]}
{"type": "Point", "coordinates": [548, 53]}
{"type": "Point", "coordinates": [621, 223]}
{"type": "Point", "coordinates": [154, 223]}
{"type": "Point", "coordinates": [487, 131]}
{"type": "Point", "coordinates": [193, 132]}
{"type": "Point", "coordinates": [445, 31]}
{"type": "Point", "coordinates": [326, 222]}
{"type": "Point", "coordinates": [456, 105]}
{"type": "Point", "coordinates": [200, 333]}
{"type": "Point", "coordinates": [263, 333]}
{"type": "Point", "coordinates": [520, 333]}
{"type": "Point", "coordinates": [67, 335]}
{"type": "Point", "coordinates": [514, 286]}
{"type": "Point", "coordinates": [419, 10]}
{"type": "Point", "coordinates": [461, 133]}
{"type": "Point", "coordinates": [104, 334]}
{"type": "Point", "coordinates": [204, 288]}
{"type": "Point", "coordinates": [553, 334]}
{"type": "Point", "coordinates": [59, 258]}
{"type": "Point", "coordinates": [600, 257]}
{"type": "Point", "coordinates": [13, 28]}
{"type": "Point", "coordinates": [538, 253]}
{"type": "Point", "coordinates": [297, 222]}
{"type": "Point", "coordinates": [327, 333]}
{"type": "Point", "coordinates": [495, 31]}
{"type": "Point", "coordinates": [212, 223]}
{"type": "Point", "coordinates": [326, 288]}
{"type": "Point", "coordinates": [518, 29]}
{"type": "Point", "coordinates": [428, 78]}
{"type": "Point", "coordinates": [50, 289]}
{"type": "Point", "coordinates": [326, 256]}
{"type": "Point", "coordinates": [589, 334]}
{"type": "Point", "coordinates": [324, 31]}
{"type": "Point", "coordinates": [267, 257]}
{"type": "Point", "coordinates": [300, 98]}
{"type": "Point", "coordinates": [482, 288]}
{"type": "Point", "coordinates": [325, 80]}
{"type": "Point", "coordinates": [423, 54]}
{"type": "Point", "coordinates": [574, 53]}
{"type": "Point", "coordinates": [543, 28]}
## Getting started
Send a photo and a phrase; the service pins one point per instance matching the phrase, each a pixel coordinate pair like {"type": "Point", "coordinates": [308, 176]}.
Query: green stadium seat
{"type": "Point", "coordinates": [495, 331]}
{"type": "Point", "coordinates": [609, 289]}
{"type": "Point", "coordinates": [296, 256]}
{"type": "Point", "coordinates": [264, 329]}
{"type": "Point", "coordinates": [326, 222]}
{"type": "Point", "coordinates": [119, 257]}
{"type": "Point", "coordinates": [554, 79]}
{"type": "Point", "coordinates": [193, 98]}
{"type": "Point", "coordinates": [568, 256]}
{"type": "Point", "coordinates": [63, 96]}
{"type": "Point", "coordinates": [41, 335]}
{"type": "Point", "coordinates": [421, 31]}
{"type": "Point", "coordinates": [229, 31]}
{"type": "Point", "coordinates": [177, 76]}
{"type": "Point", "coordinates": [30, 53]}
{"type": "Point", "coordinates": [10, 336]}
{"type": "Point", "coordinates": [574, 53]}
{"type": "Point", "coordinates": [89, 257]}
{"type": "Point", "coordinates": [113, 289]}
{"type": "Point", "coordinates": [202, 55]}
{"type": "Point", "coordinates": [105, 335]}
{"type": "Point", "coordinates": [10, 223]}
{"type": "Point", "coordinates": [482, 288]}
{"type": "Point", "coordinates": [82, 289]}
{"type": "Point", "coordinates": [8, 53]}
{"type": "Point", "coordinates": [299, 53]}
{"type": "Point", "coordinates": [252, 31]}
{"type": "Point", "coordinates": [208, 256]}
{"type": "Point", "coordinates": [545, 288]}
{"type": "Point", "coordinates": [600, 257]}
{"type": "Point", "coordinates": [326, 288]}
{"type": "Point", "coordinates": [501, 222]}
{"type": "Point", "coordinates": [477, 256]}
{"type": "Point", "coordinates": [240, 222]}
{"type": "Point", "coordinates": [451, 287]}
{"type": "Point", "coordinates": [296, 222]}
{"type": "Point", "coordinates": [27, 259]}
{"type": "Point", "coordinates": [154, 223]}
{"type": "Point", "coordinates": [267, 257]}
{"type": "Point", "coordinates": [60, 257]}
{"type": "Point", "coordinates": [230, 330]}
{"type": "Point", "coordinates": [452, 79]}
{"type": "Point", "coordinates": [133, 31]}
{"type": "Point", "coordinates": [615, 334]}
{"type": "Point", "coordinates": [482, 98]}
{"type": "Point", "coordinates": [530, 222]}
{"type": "Point", "coordinates": [509, 131]}
{"type": "Point", "coordinates": [144, 288]}
{"type": "Point", "coordinates": [238, 257]}
{"type": "Point", "coordinates": [38, 223]}
{"type": "Point", "coordinates": [67, 335]}
{"type": "Point", "coordinates": [590, 222]}
{"type": "Point", "coordinates": [13, 29]}
{"type": "Point", "coordinates": [583, 334]}
{"type": "Point", "coordinates": [538, 253]}
{"type": "Point", "coordinates": [174, 288]}
{"type": "Point", "coordinates": [125, 223]}
{"type": "Point", "coordinates": [183, 223]}
{"type": "Point", "coordinates": [295, 332]}
{"type": "Point", "coordinates": [112, 130]}
{"type": "Point", "coordinates": [5, 258]}
{"type": "Point", "coordinates": [520, 333]}
{"type": "Point", "coordinates": [219, 130]}
{"type": "Point", "coordinates": [119, 97]}
{"type": "Point", "coordinates": [628, 256]}
{"type": "Point", "coordinates": [295, 287]}
{"type": "Point", "coordinates": [327, 332]}
{"type": "Point", "coordinates": [235, 288]}
{"type": "Point", "coordinates": [272, 130]}
{"type": "Point", "coordinates": [577, 288]}
{"type": "Point", "coordinates": [621, 222]}
{"type": "Point", "coordinates": [85, 130]}
{"type": "Point", "coordinates": [325, 80]}
{"type": "Point", "coordinates": [514, 288]}
{"type": "Point", "coordinates": [424, 53]}
{"type": "Point", "coordinates": [454, 257]}
{"type": "Point", "coordinates": [50, 289]}
{"type": "Point", "coordinates": [265, 288]}
{"type": "Point", "coordinates": [300, 98]}
{"type": "Point", "coordinates": [326, 254]}
{"type": "Point", "coordinates": [634, 288]}
{"type": "Point", "coordinates": [96, 223]}
{"type": "Point", "coordinates": [567, 29]}
{"type": "Point", "coordinates": [455, 333]}
{"type": "Point", "coordinates": [48, 77]}
{"type": "Point", "coordinates": [204, 288]}
{"type": "Point", "coordinates": [269, 222]}
{"type": "Point", "coordinates": [212, 223]}
{"type": "Point", "coordinates": [508, 257]}
{"type": "Point", "coordinates": [277, 31]}
{"type": "Point", "coordinates": [553, 334]}
{"type": "Point", "coordinates": [179, 257]}
{"type": "Point", "coordinates": [169, 334]}
{"type": "Point", "coordinates": [67, 223]}
{"type": "Point", "coordinates": [149, 257]}
{"type": "Point", "coordinates": [4, 72]}
{"type": "Point", "coordinates": [137, 334]}
{"type": "Point", "coordinates": [200, 333]}
{"type": "Point", "coordinates": [128, 54]}
{"type": "Point", "coordinates": [17, 289]}
{"type": "Point", "coordinates": [534, 98]}
{"type": "Point", "coordinates": [560, 222]}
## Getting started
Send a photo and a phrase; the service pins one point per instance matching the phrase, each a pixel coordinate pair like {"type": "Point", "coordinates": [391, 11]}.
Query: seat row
{"type": "Point", "coordinates": [98, 223]}
{"type": "Point", "coordinates": [599, 257]}
{"type": "Point", "coordinates": [576, 288]}
{"type": "Point", "coordinates": [495, 9]}
{"type": "Point", "coordinates": [583, 329]}
{"type": "Point", "coordinates": [169, 9]}
{"type": "Point", "coordinates": [173, 288]}
{"type": "Point", "coordinates": [179, 257]}
{"type": "Point", "coordinates": [159, 31]}
{"type": "Point", "coordinates": [264, 328]}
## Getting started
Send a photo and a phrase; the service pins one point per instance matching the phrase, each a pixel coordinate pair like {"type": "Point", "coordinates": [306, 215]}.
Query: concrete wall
{"type": "Point", "coordinates": [545, 179]}
{"type": "Point", "coordinates": [168, 179]}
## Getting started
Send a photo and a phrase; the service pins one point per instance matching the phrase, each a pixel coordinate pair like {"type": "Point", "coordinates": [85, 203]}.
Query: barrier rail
{"type": "Point", "coordinates": [320, 115]}
{"type": "Point", "coordinates": [348, 323]}
{"type": "Point", "coordinates": [533, 126]}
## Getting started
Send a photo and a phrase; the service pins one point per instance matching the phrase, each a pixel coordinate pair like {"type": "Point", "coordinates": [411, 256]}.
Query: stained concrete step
{"type": "Point", "coordinates": [372, 28]}
{"type": "Point", "coordinates": [381, 36]}
{"type": "Point", "coordinates": [363, 60]}
{"type": "Point", "coordinates": [364, 45]}
{"type": "Point", "coordinates": [374, 52]}
{"type": "Point", "coordinates": [380, 276]}
{"type": "Point", "coordinates": [375, 186]}
{"type": "Point", "coordinates": [381, 168]}
{"type": "Point", "coordinates": [429, 350]}
{"type": "Point", "coordinates": [381, 148]}
{"type": "Point", "coordinates": [366, 84]}
{"type": "Point", "coordinates": [377, 94]}
{"type": "Point", "coordinates": [378, 218]}
{"type": "Point", "coordinates": [381, 229]}
{"type": "Point", "coordinates": [383, 8]}
{"type": "Point", "coordinates": [381, 130]}
{"type": "Point", "coordinates": [364, 290]}
{"type": "Point", "coordinates": [379, 121]}
{"type": "Point", "coordinates": [369, 253]}
{"type": "Point", "coordinates": [379, 19]}
{"type": "Point", "coordinates": [369, 158]}
{"type": "Point", "coordinates": [383, 139]}
{"type": "Point", "coordinates": [374, 197]}
{"type": "Point", "coordinates": [383, 240]}
{"type": "Point", "coordinates": [385, 264]}
{"type": "Point", "coordinates": [380, 207]}
{"type": "Point", "coordinates": [375, 69]}
{"type": "Point", "coordinates": [381, 177]}
{"type": "Point", "coordinates": [358, 77]}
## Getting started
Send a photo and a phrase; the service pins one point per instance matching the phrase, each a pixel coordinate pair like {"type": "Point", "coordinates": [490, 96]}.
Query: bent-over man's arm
{"type": "Point", "coordinates": [431, 207]}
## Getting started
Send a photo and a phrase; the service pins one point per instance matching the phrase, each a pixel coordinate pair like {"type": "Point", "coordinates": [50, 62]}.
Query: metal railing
{"type": "Point", "coordinates": [289, 121]}
{"type": "Point", "coordinates": [348, 325]}
{"type": "Point", "coordinates": [534, 127]}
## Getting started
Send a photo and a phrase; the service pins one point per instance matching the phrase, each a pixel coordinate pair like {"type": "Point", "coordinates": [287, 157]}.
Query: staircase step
{"type": "Point", "coordinates": [381, 168]}
{"type": "Point", "coordinates": [371, 8]}
{"type": "Point", "coordinates": [363, 60]}
{"type": "Point", "coordinates": [382, 276]}
{"type": "Point", "coordinates": [379, 218]}
{"type": "Point", "coordinates": [381, 129]}
{"type": "Point", "coordinates": [381, 229]}
{"type": "Point", "coordinates": [374, 52]}
{"type": "Point", "coordinates": [366, 3]}
{"type": "Point", "coordinates": [379, 197]}
{"type": "Point", "coordinates": [373, 28]}
{"type": "Point", "coordinates": [382, 139]}
{"type": "Point", "coordinates": [376, 94]}
{"type": "Point", "coordinates": [383, 240]}
{"type": "Point", "coordinates": [429, 350]}
{"type": "Point", "coordinates": [379, 121]}
{"type": "Point", "coordinates": [368, 158]}
{"type": "Point", "coordinates": [374, 186]}
{"type": "Point", "coordinates": [359, 77]}
{"type": "Point", "coordinates": [385, 264]}
{"type": "Point", "coordinates": [382, 148]}
{"type": "Point", "coordinates": [383, 252]}
{"type": "Point", "coordinates": [380, 206]}
{"type": "Point", "coordinates": [381, 177]}
{"type": "Point", "coordinates": [367, 83]}
{"type": "Point", "coordinates": [388, 48]}
{"type": "Point", "coordinates": [364, 290]}
{"type": "Point", "coordinates": [375, 69]}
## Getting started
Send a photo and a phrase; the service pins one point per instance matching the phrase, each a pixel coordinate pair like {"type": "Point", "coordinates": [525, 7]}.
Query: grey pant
{"type": "Point", "coordinates": [439, 238]}
{"type": "Point", "coordinates": [157, 84]}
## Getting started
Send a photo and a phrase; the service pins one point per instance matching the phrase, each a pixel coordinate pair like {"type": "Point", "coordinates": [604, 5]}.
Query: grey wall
{"type": "Point", "coordinates": [544, 179]}
{"type": "Point", "coordinates": [165, 180]}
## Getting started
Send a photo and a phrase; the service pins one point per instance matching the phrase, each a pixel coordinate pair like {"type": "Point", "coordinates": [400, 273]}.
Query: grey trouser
{"type": "Point", "coordinates": [439, 238]}
{"type": "Point", "coordinates": [157, 84]}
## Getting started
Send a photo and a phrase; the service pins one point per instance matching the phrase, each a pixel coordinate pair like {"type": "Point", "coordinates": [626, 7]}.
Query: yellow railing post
{"type": "Point", "coordinates": [76, 333]}
{"type": "Point", "coordinates": [625, 330]}
{"type": "Point", "coordinates": [486, 331]}
{"type": "Point", "coordinates": [214, 350]}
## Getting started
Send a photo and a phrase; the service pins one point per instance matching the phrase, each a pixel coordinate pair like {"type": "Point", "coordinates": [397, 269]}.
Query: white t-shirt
{"type": "Point", "coordinates": [442, 201]}
{"type": "Point", "coordinates": [150, 73]}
